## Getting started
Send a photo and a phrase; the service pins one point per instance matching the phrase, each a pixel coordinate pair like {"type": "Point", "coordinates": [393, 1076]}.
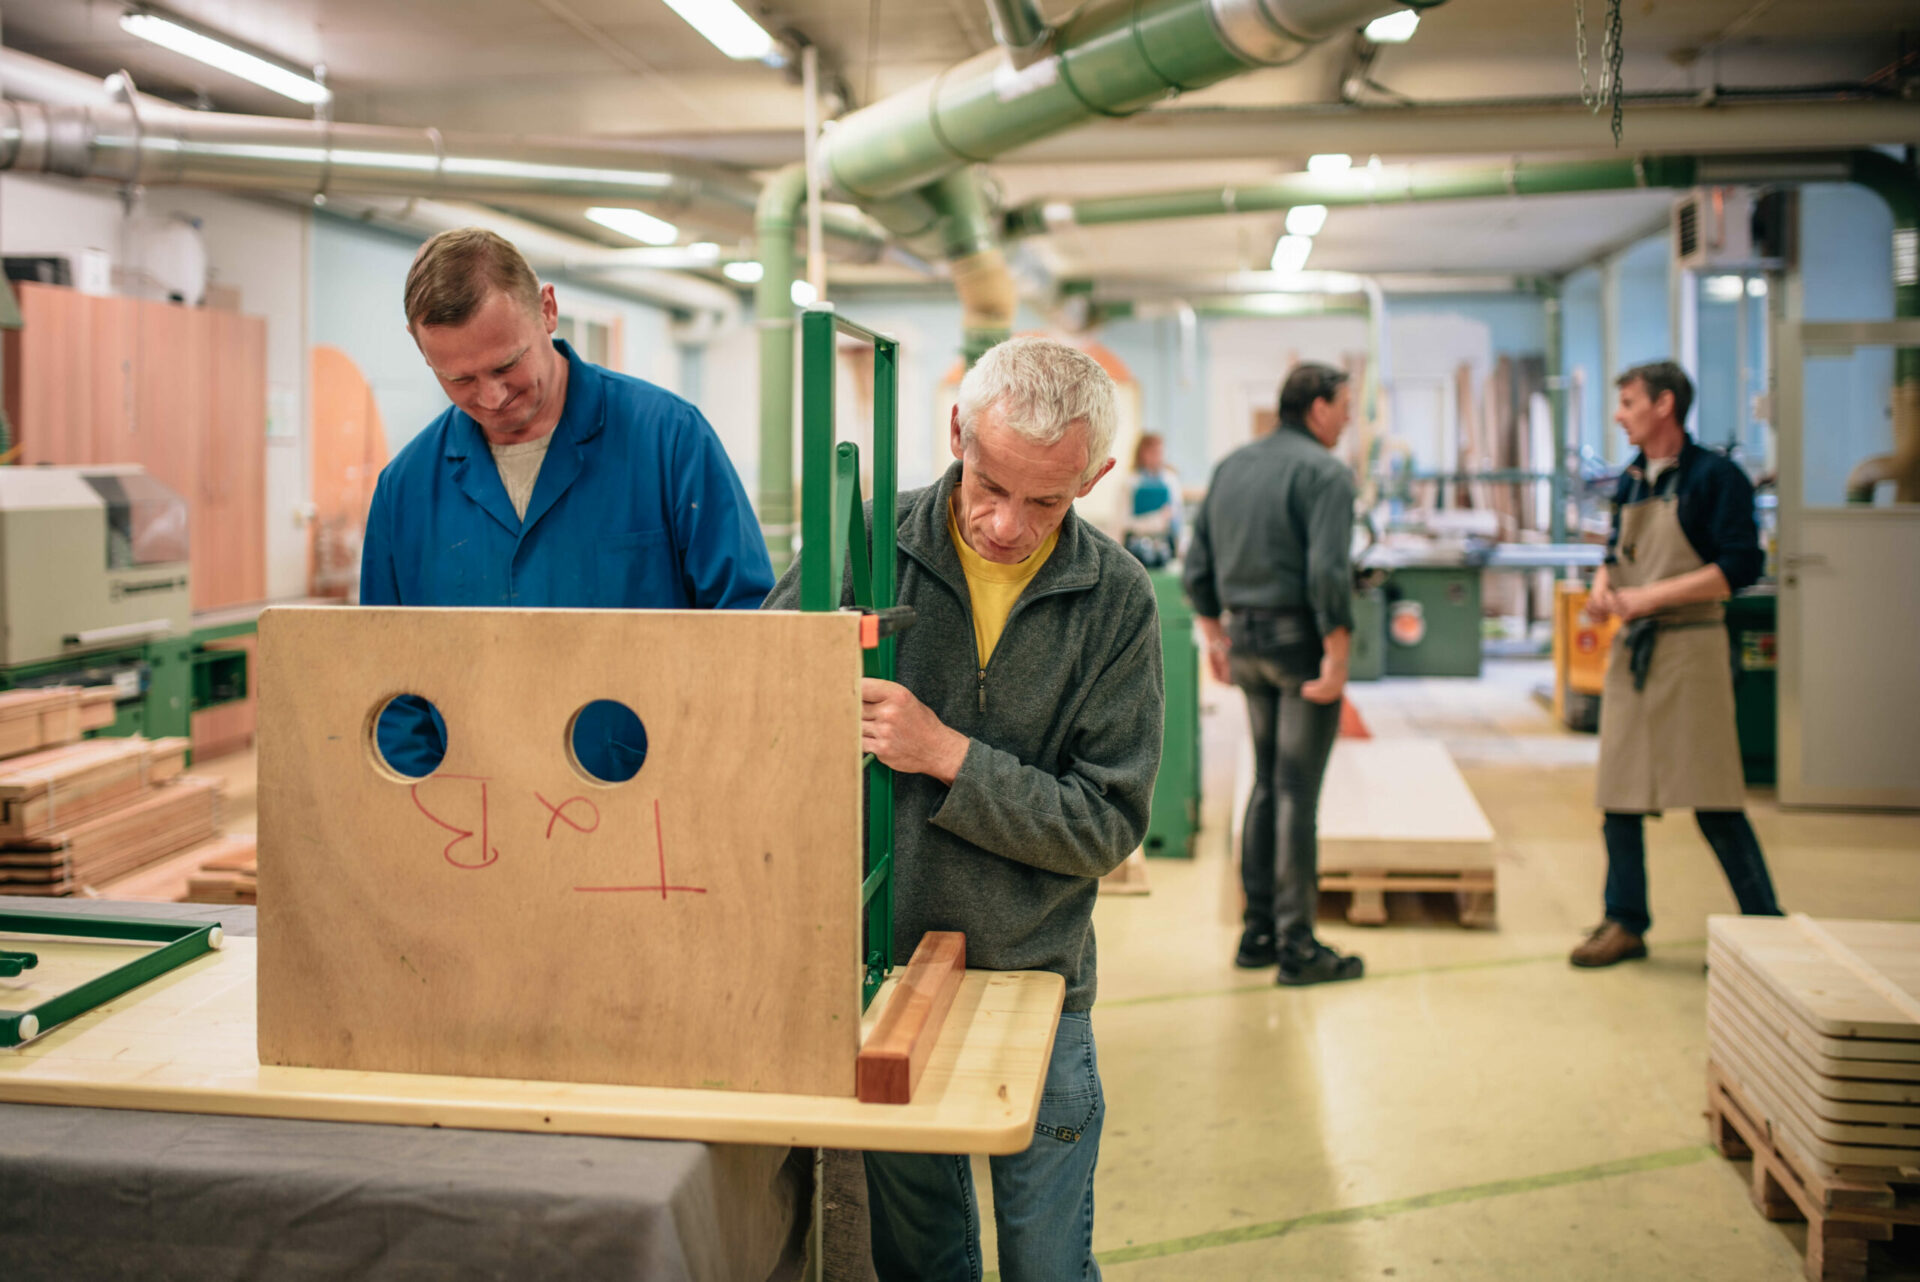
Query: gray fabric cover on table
{"type": "Point", "coordinates": [103, 1193]}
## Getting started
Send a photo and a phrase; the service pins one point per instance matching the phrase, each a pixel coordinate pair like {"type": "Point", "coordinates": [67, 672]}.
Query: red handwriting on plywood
{"type": "Point", "coordinates": [660, 846]}
{"type": "Point", "coordinates": [558, 814]}
{"type": "Point", "coordinates": [488, 854]}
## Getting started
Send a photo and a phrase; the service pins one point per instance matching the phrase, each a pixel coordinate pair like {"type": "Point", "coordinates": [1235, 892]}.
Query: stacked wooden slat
{"type": "Point", "coordinates": [47, 791]}
{"type": "Point", "coordinates": [1813, 1034]}
{"type": "Point", "coordinates": [34, 719]}
{"type": "Point", "coordinates": [97, 710]}
{"type": "Point", "coordinates": [229, 873]}
{"type": "Point", "coordinates": [151, 825]}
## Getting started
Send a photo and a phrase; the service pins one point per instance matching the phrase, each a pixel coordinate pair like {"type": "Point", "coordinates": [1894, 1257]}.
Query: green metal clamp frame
{"type": "Point", "coordinates": [833, 531]}
{"type": "Point", "coordinates": [180, 942]}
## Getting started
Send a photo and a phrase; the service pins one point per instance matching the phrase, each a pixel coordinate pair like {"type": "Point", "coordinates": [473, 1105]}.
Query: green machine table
{"type": "Point", "coordinates": [1176, 791]}
{"type": "Point", "coordinates": [1751, 635]}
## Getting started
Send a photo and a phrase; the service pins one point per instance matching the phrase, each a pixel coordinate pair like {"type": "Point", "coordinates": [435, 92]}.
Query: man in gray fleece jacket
{"type": "Point", "coordinates": [1025, 733]}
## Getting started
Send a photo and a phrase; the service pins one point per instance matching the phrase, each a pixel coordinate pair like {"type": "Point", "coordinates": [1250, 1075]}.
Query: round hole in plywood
{"type": "Point", "coordinates": [607, 742]}
{"type": "Point", "coordinates": [408, 737]}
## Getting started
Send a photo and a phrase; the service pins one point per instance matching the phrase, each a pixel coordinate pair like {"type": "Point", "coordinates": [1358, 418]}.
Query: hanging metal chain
{"type": "Point", "coordinates": [1589, 98]}
{"type": "Point", "coordinates": [1595, 96]}
{"type": "Point", "coordinates": [1612, 51]}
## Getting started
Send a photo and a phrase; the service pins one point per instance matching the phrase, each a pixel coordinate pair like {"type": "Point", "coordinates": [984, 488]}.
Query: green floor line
{"type": "Point", "coordinates": [1400, 1206]}
{"type": "Point", "coordinates": [1491, 963]}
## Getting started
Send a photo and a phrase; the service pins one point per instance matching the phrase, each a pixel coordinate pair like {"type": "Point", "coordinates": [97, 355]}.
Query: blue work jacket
{"type": "Point", "coordinates": [636, 507]}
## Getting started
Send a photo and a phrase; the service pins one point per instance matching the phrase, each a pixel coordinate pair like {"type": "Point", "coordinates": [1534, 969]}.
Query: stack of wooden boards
{"type": "Point", "coordinates": [1813, 1034]}
{"type": "Point", "coordinates": [76, 815]}
{"type": "Point", "coordinates": [33, 719]}
{"type": "Point", "coordinates": [228, 873]}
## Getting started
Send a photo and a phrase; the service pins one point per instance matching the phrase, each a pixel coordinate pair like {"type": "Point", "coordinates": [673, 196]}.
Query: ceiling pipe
{"type": "Point", "coordinates": [1894, 181]}
{"type": "Point", "coordinates": [115, 143]}
{"type": "Point", "coordinates": [909, 159]}
{"type": "Point", "coordinates": [1020, 30]}
{"type": "Point", "coordinates": [1109, 58]}
{"type": "Point", "coordinates": [1237, 133]}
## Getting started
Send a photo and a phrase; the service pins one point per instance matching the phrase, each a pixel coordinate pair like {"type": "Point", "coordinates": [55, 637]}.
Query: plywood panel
{"type": "Point", "coordinates": [349, 450]}
{"type": "Point", "coordinates": [47, 360]}
{"type": "Point", "coordinates": [233, 464]}
{"type": "Point", "coordinates": [113, 330]}
{"type": "Point", "coordinates": [697, 926]}
{"type": "Point", "coordinates": [185, 1044]}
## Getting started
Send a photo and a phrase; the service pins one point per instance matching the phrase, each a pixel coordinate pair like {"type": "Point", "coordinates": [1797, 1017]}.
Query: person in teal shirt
{"type": "Point", "coordinates": [548, 483]}
{"type": "Point", "coordinates": [1154, 513]}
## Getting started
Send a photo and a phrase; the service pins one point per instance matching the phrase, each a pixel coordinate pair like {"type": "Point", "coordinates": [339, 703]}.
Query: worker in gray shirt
{"type": "Point", "coordinates": [1271, 549]}
{"type": "Point", "coordinates": [1024, 734]}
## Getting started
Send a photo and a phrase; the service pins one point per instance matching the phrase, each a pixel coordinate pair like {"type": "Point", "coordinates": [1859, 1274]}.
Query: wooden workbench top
{"type": "Point", "coordinates": [185, 1043]}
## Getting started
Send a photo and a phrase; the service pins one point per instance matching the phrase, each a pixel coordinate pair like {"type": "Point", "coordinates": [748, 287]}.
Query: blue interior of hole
{"type": "Point", "coordinates": [609, 741]}
{"type": "Point", "coordinates": [411, 736]}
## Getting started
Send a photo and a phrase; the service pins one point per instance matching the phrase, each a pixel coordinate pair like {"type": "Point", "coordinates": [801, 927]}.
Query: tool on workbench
{"type": "Point", "coordinates": [876, 625]}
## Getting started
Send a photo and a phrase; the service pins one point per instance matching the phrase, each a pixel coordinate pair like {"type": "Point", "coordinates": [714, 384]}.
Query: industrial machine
{"type": "Point", "coordinates": [94, 591]}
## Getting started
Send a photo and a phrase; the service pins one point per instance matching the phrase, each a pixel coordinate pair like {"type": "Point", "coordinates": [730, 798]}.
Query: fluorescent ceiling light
{"type": "Point", "coordinates": [803, 294]}
{"type": "Point", "coordinates": [216, 53]}
{"type": "Point", "coordinates": [1306, 220]}
{"type": "Point", "coordinates": [631, 222]}
{"type": "Point", "coordinates": [1290, 254]}
{"type": "Point", "coordinates": [1723, 289]}
{"type": "Point", "coordinates": [1394, 28]}
{"type": "Point", "coordinates": [726, 25]}
{"type": "Point", "coordinates": [1756, 287]}
{"type": "Point", "coordinates": [1329, 163]}
{"type": "Point", "coordinates": [748, 273]}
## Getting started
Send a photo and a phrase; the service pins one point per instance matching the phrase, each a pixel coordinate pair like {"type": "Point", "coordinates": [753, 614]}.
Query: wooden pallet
{"type": "Point", "coordinates": [1472, 891]}
{"type": "Point", "coordinates": [1845, 1209]}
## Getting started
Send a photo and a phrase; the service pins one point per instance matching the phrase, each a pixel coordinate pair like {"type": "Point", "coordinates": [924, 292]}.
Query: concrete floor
{"type": "Point", "coordinates": [1475, 1108]}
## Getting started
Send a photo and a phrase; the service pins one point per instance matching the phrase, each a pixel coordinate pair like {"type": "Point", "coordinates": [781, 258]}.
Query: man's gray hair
{"type": "Point", "coordinates": [1043, 387]}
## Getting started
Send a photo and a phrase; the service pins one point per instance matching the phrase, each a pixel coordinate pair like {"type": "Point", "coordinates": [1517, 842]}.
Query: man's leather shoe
{"type": "Point", "coordinates": [1257, 951]}
{"type": "Point", "coordinates": [1608, 944]}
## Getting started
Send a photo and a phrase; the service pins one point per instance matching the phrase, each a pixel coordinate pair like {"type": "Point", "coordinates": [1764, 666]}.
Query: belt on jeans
{"type": "Point", "coordinates": [1640, 636]}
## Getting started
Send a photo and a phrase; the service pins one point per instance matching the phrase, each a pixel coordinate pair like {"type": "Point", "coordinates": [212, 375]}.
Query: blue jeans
{"type": "Point", "coordinates": [1733, 841]}
{"type": "Point", "coordinates": [926, 1223]}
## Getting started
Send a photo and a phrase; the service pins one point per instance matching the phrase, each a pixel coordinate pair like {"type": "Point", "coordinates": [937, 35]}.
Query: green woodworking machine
{"type": "Point", "coordinates": [94, 591]}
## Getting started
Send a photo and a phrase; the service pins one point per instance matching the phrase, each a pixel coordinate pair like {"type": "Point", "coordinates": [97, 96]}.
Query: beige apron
{"type": "Point", "coordinates": [1674, 743]}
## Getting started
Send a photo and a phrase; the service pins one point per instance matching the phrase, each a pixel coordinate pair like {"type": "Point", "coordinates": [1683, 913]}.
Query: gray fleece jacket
{"type": "Point", "coordinates": [1065, 725]}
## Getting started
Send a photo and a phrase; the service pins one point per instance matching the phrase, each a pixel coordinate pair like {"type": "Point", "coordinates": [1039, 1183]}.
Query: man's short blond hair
{"type": "Point", "coordinates": [454, 273]}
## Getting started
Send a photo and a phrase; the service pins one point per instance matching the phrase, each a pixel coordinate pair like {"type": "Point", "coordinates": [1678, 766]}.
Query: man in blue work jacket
{"type": "Point", "coordinates": [549, 482]}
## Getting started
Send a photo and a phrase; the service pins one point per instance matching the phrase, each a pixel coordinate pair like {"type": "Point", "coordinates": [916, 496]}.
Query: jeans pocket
{"type": "Point", "coordinates": [1071, 1100]}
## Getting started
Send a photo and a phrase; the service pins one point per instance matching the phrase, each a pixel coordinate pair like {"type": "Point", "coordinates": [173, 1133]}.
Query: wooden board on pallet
{"type": "Point", "coordinates": [1400, 804]}
{"type": "Point", "coordinates": [1779, 1016]}
{"type": "Point", "coordinates": [696, 926]}
{"type": "Point", "coordinates": [185, 1044]}
{"type": "Point", "coordinates": [1885, 1126]}
{"type": "Point", "coordinates": [1724, 1011]}
{"type": "Point", "coordinates": [1843, 978]}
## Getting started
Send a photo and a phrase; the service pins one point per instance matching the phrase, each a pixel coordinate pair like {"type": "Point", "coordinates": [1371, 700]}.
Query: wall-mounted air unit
{"type": "Point", "coordinates": [1722, 229]}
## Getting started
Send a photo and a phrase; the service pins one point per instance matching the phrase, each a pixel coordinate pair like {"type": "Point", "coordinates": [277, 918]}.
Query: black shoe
{"type": "Point", "coordinates": [1257, 951]}
{"type": "Point", "coordinates": [1321, 966]}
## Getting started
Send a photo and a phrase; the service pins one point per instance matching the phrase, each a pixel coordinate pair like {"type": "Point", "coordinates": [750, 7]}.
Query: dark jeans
{"type": "Point", "coordinates": [1292, 739]}
{"type": "Point", "coordinates": [1732, 839]}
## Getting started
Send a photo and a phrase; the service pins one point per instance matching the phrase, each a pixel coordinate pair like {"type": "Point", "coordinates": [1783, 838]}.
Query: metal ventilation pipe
{"type": "Point", "coordinates": [122, 144]}
{"type": "Point", "coordinates": [1020, 29]}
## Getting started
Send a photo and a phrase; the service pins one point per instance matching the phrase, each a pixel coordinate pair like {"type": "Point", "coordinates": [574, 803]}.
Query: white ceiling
{"type": "Point", "coordinates": [632, 69]}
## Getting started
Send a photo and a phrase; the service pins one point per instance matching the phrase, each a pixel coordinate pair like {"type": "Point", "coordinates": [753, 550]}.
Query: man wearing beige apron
{"type": "Point", "coordinates": [1683, 541]}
